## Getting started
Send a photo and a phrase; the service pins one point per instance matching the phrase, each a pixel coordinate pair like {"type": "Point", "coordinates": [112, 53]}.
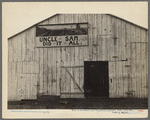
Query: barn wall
{"type": "Point", "coordinates": [51, 71]}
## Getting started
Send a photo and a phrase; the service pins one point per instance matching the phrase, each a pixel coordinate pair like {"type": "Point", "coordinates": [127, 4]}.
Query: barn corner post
{"type": "Point", "coordinates": [77, 56]}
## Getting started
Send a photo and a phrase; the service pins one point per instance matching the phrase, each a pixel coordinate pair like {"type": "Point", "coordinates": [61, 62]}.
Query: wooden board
{"type": "Point", "coordinates": [98, 36]}
{"type": "Point", "coordinates": [58, 58]}
{"type": "Point", "coordinates": [9, 80]}
{"type": "Point", "coordinates": [133, 47]}
{"type": "Point", "coordinates": [45, 71]}
{"type": "Point", "coordinates": [67, 62]}
{"type": "Point", "coordinates": [103, 36]}
{"type": "Point", "coordinates": [90, 26]}
{"type": "Point", "coordinates": [111, 79]}
{"type": "Point", "coordinates": [77, 62]}
{"type": "Point", "coordinates": [94, 38]}
{"type": "Point", "coordinates": [41, 72]}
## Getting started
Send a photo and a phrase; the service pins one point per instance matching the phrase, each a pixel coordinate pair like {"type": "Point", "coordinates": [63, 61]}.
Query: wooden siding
{"type": "Point", "coordinates": [60, 71]}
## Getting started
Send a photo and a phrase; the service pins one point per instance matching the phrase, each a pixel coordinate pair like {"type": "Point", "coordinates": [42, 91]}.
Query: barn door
{"type": "Point", "coordinates": [96, 82]}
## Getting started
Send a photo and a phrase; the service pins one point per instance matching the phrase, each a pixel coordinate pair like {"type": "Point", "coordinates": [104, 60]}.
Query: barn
{"type": "Point", "coordinates": [79, 56]}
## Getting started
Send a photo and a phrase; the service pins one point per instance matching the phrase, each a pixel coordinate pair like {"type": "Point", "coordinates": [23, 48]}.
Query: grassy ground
{"type": "Point", "coordinates": [53, 102]}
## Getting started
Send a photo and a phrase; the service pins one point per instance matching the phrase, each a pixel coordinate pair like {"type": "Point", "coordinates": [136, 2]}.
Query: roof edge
{"type": "Point", "coordinates": [128, 21]}
{"type": "Point", "coordinates": [32, 26]}
{"type": "Point", "coordinates": [59, 14]}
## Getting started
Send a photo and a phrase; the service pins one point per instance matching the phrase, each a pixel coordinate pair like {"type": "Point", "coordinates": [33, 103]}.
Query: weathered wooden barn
{"type": "Point", "coordinates": [77, 56]}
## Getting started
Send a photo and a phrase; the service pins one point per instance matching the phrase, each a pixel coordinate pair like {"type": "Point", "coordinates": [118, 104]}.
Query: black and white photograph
{"type": "Point", "coordinates": [88, 61]}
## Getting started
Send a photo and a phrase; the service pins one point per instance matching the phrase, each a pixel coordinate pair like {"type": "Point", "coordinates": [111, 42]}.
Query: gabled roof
{"type": "Point", "coordinates": [128, 21]}
{"type": "Point", "coordinates": [58, 14]}
{"type": "Point", "coordinates": [33, 25]}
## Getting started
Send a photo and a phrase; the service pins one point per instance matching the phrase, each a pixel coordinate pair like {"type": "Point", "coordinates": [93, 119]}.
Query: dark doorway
{"type": "Point", "coordinates": [96, 83]}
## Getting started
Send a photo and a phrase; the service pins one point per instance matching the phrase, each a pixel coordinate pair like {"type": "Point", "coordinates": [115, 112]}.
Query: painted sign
{"type": "Point", "coordinates": [61, 35]}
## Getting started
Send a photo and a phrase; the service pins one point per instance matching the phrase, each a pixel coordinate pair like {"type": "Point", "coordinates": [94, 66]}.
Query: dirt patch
{"type": "Point", "coordinates": [53, 102]}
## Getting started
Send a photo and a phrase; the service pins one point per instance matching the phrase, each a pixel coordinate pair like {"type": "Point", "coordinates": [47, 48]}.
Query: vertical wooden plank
{"type": "Point", "coordinates": [90, 26]}
{"type": "Point", "coordinates": [15, 82]}
{"type": "Point", "coordinates": [116, 81]}
{"type": "Point", "coordinates": [123, 71]}
{"type": "Point", "coordinates": [126, 76]}
{"type": "Point", "coordinates": [99, 36]}
{"type": "Point", "coordinates": [50, 66]}
{"type": "Point", "coordinates": [94, 47]}
{"type": "Point", "coordinates": [28, 86]}
{"type": "Point", "coordinates": [68, 62]}
{"type": "Point", "coordinates": [63, 74]}
{"type": "Point", "coordinates": [125, 80]}
{"type": "Point", "coordinates": [58, 58]}
{"type": "Point", "coordinates": [116, 33]}
{"type": "Point", "coordinates": [63, 83]}
{"type": "Point", "coordinates": [86, 52]}
{"type": "Point", "coordinates": [128, 56]}
{"type": "Point", "coordinates": [12, 45]}
{"type": "Point", "coordinates": [45, 74]}
{"type": "Point", "coordinates": [29, 79]}
{"type": "Point", "coordinates": [50, 63]}
{"type": "Point", "coordinates": [34, 68]}
{"type": "Point", "coordinates": [9, 85]}
{"type": "Point", "coordinates": [19, 47]}
{"type": "Point", "coordinates": [10, 50]}
{"type": "Point", "coordinates": [123, 41]}
{"type": "Point", "coordinates": [35, 50]}
{"type": "Point", "coordinates": [19, 85]}
{"type": "Point", "coordinates": [53, 69]}
{"type": "Point", "coordinates": [111, 79]}
{"type": "Point", "coordinates": [32, 44]}
{"type": "Point", "coordinates": [109, 38]}
{"type": "Point", "coordinates": [45, 68]}
{"type": "Point", "coordinates": [119, 40]}
{"type": "Point", "coordinates": [24, 46]}
{"type": "Point", "coordinates": [76, 70]}
{"type": "Point", "coordinates": [119, 90]}
{"type": "Point", "coordinates": [9, 80]}
{"type": "Point", "coordinates": [23, 81]}
{"type": "Point", "coordinates": [29, 45]}
{"type": "Point", "coordinates": [81, 56]}
{"type": "Point", "coordinates": [41, 71]}
{"type": "Point", "coordinates": [72, 63]}
{"type": "Point", "coordinates": [15, 48]}
{"type": "Point", "coordinates": [138, 50]}
{"type": "Point", "coordinates": [106, 37]}
{"type": "Point", "coordinates": [12, 81]}
{"type": "Point", "coordinates": [54, 80]}
{"type": "Point", "coordinates": [143, 62]}
{"type": "Point", "coordinates": [132, 58]}
{"type": "Point", "coordinates": [146, 59]}
{"type": "Point", "coordinates": [103, 36]}
{"type": "Point", "coordinates": [113, 39]}
{"type": "Point", "coordinates": [143, 70]}
{"type": "Point", "coordinates": [34, 86]}
{"type": "Point", "coordinates": [37, 67]}
{"type": "Point", "coordinates": [136, 69]}
{"type": "Point", "coordinates": [146, 32]}
{"type": "Point", "coordinates": [133, 47]}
